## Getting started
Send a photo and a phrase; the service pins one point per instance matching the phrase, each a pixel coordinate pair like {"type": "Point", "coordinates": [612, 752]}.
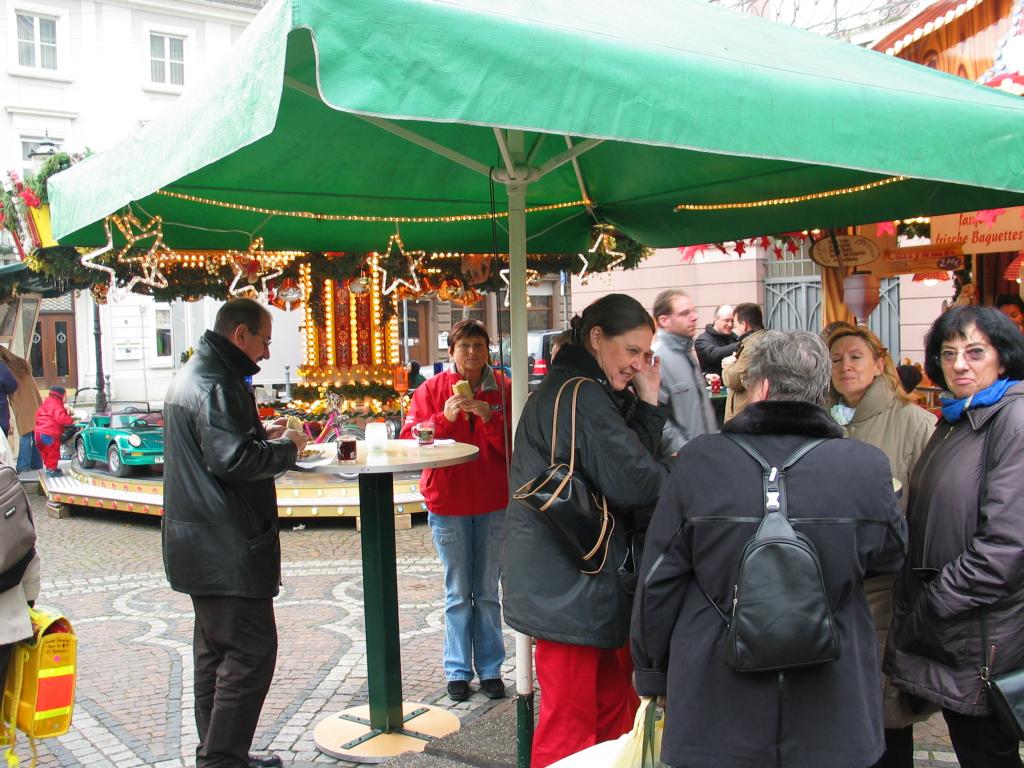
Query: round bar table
{"type": "Point", "coordinates": [386, 726]}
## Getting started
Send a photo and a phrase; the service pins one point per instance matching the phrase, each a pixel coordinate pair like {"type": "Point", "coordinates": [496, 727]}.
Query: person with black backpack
{"type": "Point", "coordinates": [750, 616]}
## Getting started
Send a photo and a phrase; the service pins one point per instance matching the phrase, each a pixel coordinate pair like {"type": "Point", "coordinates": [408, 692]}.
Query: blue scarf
{"type": "Point", "coordinates": [953, 409]}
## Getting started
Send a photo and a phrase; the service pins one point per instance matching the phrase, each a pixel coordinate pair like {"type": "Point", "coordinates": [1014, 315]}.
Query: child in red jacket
{"type": "Point", "coordinates": [51, 418]}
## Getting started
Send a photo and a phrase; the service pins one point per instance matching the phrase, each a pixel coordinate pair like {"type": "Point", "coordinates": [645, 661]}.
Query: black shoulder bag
{"type": "Point", "coordinates": [576, 515]}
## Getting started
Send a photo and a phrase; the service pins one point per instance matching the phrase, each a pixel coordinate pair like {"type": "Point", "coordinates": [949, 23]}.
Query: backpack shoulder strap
{"type": "Point", "coordinates": [773, 477]}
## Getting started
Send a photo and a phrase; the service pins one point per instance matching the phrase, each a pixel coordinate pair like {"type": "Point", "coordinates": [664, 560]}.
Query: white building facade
{"type": "Point", "coordinates": [84, 74]}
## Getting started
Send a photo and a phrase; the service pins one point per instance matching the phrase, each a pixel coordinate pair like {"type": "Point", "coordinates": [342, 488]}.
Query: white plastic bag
{"type": "Point", "coordinates": [639, 748]}
{"type": "Point", "coordinates": [6, 454]}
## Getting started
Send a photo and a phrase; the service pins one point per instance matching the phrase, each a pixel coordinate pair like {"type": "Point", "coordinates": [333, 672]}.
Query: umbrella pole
{"type": "Point", "coordinates": [517, 334]}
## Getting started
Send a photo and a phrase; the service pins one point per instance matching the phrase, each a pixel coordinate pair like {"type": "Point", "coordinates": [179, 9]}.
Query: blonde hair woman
{"type": "Point", "coordinates": [869, 404]}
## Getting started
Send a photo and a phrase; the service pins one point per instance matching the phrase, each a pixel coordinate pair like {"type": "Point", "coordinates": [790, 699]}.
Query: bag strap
{"type": "Point", "coordinates": [773, 478]}
{"type": "Point", "coordinates": [578, 381]}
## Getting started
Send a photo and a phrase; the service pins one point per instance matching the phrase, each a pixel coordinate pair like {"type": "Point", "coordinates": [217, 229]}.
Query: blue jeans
{"type": "Point", "coordinates": [28, 454]}
{"type": "Point", "coordinates": [470, 548]}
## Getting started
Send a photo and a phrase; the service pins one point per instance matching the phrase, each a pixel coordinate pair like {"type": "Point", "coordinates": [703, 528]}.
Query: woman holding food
{"type": "Point", "coordinates": [466, 504]}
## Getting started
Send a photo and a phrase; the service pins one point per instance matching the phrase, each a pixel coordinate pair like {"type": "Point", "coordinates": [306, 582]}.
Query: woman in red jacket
{"type": "Point", "coordinates": [466, 506]}
{"type": "Point", "coordinates": [51, 418]}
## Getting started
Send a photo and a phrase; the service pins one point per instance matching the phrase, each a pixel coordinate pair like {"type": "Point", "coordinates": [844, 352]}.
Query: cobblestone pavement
{"type": "Point", "coordinates": [134, 697]}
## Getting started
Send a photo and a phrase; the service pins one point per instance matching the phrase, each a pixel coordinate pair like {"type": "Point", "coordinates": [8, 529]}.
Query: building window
{"type": "Point", "coordinates": [162, 320]}
{"type": "Point", "coordinates": [37, 41]}
{"type": "Point", "coordinates": [539, 315]}
{"type": "Point", "coordinates": [166, 59]}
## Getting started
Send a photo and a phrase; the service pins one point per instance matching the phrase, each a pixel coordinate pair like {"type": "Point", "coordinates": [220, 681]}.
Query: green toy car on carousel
{"type": "Point", "coordinates": [130, 435]}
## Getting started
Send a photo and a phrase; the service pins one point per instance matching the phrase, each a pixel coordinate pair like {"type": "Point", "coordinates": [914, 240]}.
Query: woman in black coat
{"type": "Point", "coordinates": [839, 496]}
{"type": "Point", "coordinates": [581, 621]}
{"type": "Point", "coordinates": [959, 601]}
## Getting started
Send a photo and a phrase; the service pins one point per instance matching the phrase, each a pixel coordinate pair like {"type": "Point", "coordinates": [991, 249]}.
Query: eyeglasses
{"type": "Point", "coordinates": [971, 354]}
{"type": "Point", "coordinates": [266, 339]}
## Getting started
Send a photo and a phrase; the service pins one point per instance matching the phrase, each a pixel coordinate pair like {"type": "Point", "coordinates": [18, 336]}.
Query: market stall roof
{"type": "Point", "coordinates": [331, 119]}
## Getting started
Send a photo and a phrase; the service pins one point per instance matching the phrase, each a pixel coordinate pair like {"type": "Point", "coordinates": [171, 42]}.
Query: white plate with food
{"type": "Point", "coordinates": [316, 455]}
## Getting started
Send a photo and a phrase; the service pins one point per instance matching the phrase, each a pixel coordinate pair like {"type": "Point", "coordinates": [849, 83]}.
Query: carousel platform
{"type": "Point", "coordinates": [300, 494]}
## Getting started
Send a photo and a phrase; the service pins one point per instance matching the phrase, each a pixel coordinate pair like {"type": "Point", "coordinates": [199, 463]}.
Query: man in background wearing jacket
{"type": "Point", "coordinates": [220, 535]}
{"type": "Point", "coordinates": [682, 385]}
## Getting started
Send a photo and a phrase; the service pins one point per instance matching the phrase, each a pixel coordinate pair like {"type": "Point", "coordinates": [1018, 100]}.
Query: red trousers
{"type": "Point", "coordinates": [586, 697]}
{"type": "Point", "coordinates": [50, 454]}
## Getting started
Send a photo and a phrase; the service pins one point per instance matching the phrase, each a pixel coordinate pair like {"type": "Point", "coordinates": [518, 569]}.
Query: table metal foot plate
{"type": "Point", "coordinates": [348, 735]}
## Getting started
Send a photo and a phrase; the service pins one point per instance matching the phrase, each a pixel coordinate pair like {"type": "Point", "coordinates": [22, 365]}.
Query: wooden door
{"type": "Point", "coordinates": [53, 355]}
{"type": "Point", "coordinates": [418, 341]}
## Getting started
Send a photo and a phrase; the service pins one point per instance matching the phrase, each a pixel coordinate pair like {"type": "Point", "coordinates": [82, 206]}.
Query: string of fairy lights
{"type": "Point", "coordinates": [790, 200]}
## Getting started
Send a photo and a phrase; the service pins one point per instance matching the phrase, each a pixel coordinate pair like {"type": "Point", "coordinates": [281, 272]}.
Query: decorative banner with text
{"type": "Point", "coordinates": [998, 229]}
{"type": "Point", "coordinates": [919, 259]}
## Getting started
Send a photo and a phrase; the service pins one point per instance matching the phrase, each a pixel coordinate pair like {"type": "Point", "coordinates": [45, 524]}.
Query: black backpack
{"type": "Point", "coordinates": [17, 530]}
{"type": "Point", "coordinates": [780, 611]}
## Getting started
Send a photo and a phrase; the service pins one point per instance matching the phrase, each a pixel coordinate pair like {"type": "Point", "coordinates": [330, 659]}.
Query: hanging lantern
{"type": "Point", "coordinates": [861, 294]}
{"type": "Point", "coordinates": [289, 291]}
{"type": "Point", "coordinates": [357, 286]}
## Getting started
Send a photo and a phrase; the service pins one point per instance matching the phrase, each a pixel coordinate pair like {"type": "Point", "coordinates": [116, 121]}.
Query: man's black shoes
{"type": "Point", "coordinates": [493, 688]}
{"type": "Point", "coordinates": [265, 761]}
{"type": "Point", "coordinates": [458, 690]}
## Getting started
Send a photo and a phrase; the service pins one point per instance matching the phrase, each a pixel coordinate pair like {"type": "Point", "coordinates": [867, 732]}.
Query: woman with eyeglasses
{"type": "Point", "coordinates": [958, 604]}
{"type": "Point", "coordinates": [868, 402]}
{"type": "Point", "coordinates": [581, 620]}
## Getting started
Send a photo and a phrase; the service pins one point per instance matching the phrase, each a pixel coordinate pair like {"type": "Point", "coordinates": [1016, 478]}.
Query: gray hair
{"type": "Point", "coordinates": [796, 366]}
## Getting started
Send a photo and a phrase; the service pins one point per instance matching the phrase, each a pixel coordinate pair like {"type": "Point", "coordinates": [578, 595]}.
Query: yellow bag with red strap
{"type": "Point", "coordinates": [39, 693]}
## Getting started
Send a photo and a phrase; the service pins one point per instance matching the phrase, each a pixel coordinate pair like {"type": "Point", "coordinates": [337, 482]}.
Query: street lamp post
{"type": "Point", "coordinates": [97, 331]}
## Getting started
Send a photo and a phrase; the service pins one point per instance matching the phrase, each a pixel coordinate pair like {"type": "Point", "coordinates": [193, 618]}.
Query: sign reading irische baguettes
{"type": "Point", "coordinates": [1000, 229]}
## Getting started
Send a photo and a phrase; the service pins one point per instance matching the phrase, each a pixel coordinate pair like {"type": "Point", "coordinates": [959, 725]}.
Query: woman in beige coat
{"type": "Point", "coordinates": [25, 401]}
{"type": "Point", "coordinates": [869, 404]}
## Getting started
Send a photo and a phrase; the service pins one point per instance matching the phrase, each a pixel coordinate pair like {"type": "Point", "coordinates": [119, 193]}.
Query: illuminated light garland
{"type": "Point", "coordinates": [329, 320]}
{"type": "Point", "coordinates": [790, 200]}
{"type": "Point", "coordinates": [353, 329]}
{"type": "Point", "coordinates": [306, 280]}
{"type": "Point", "coordinates": [369, 219]}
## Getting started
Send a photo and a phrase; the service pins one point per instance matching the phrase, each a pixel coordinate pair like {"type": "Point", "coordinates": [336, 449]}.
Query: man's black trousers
{"type": "Point", "coordinates": [235, 650]}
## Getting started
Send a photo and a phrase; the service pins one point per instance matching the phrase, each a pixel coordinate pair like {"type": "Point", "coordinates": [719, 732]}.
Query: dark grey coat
{"type": "Point", "coordinates": [544, 595]}
{"type": "Point", "coordinates": [965, 560]}
{"type": "Point", "coordinates": [839, 495]}
{"type": "Point", "coordinates": [219, 528]}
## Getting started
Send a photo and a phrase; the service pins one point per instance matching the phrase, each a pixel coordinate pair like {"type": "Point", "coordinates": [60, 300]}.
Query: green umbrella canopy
{"type": "Point", "coordinates": [323, 106]}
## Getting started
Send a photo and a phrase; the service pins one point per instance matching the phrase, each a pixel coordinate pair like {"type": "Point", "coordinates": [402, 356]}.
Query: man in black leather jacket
{"type": "Point", "coordinates": [219, 529]}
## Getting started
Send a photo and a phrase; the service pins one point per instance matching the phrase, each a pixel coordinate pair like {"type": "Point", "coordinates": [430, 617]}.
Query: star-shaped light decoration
{"type": "Point", "coordinates": [604, 242]}
{"type": "Point", "coordinates": [532, 276]}
{"type": "Point", "coordinates": [413, 283]}
{"type": "Point", "coordinates": [586, 268]}
{"type": "Point", "coordinates": [740, 247]}
{"type": "Point", "coordinates": [884, 228]}
{"type": "Point", "coordinates": [133, 232]}
{"type": "Point", "coordinates": [249, 265]}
